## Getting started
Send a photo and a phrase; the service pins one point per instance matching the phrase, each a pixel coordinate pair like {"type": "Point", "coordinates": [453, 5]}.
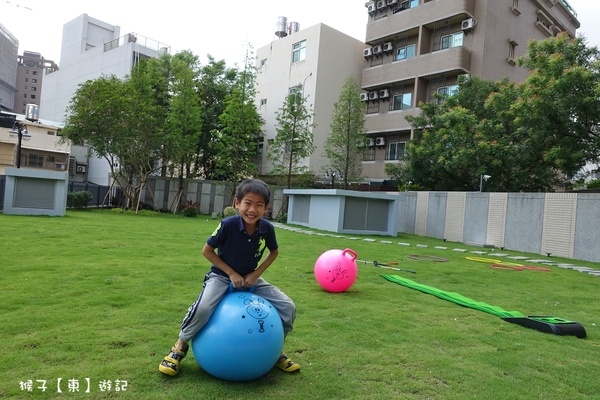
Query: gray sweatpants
{"type": "Point", "coordinates": [215, 288]}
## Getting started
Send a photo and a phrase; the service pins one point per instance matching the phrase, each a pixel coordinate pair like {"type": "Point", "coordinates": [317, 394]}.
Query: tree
{"type": "Point", "coordinates": [476, 133]}
{"type": "Point", "coordinates": [239, 130]}
{"type": "Point", "coordinates": [559, 103]}
{"type": "Point", "coordinates": [344, 145]}
{"type": "Point", "coordinates": [215, 85]}
{"type": "Point", "coordinates": [120, 119]}
{"type": "Point", "coordinates": [184, 121]}
{"type": "Point", "coordinates": [294, 139]}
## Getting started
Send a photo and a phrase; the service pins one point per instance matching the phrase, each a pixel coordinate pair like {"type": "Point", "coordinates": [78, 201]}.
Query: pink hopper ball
{"type": "Point", "coordinates": [336, 270]}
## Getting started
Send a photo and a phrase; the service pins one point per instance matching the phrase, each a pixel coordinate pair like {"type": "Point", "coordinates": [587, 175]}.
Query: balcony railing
{"type": "Point", "coordinates": [139, 40]}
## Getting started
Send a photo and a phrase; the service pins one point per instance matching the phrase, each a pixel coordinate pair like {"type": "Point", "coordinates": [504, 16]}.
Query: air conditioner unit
{"type": "Point", "coordinates": [371, 142]}
{"type": "Point", "coordinates": [468, 24]}
{"type": "Point", "coordinates": [81, 169]}
{"type": "Point", "coordinates": [368, 52]}
{"type": "Point", "coordinates": [392, 2]}
{"type": "Point", "coordinates": [380, 141]}
{"type": "Point", "coordinates": [383, 93]}
{"type": "Point", "coordinates": [373, 95]}
{"type": "Point", "coordinates": [60, 166]}
{"type": "Point", "coordinates": [388, 46]}
{"type": "Point", "coordinates": [377, 49]}
{"type": "Point", "coordinates": [370, 7]}
{"type": "Point", "coordinates": [364, 96]}
{"type": "Point", "coordinates": [381, 4]}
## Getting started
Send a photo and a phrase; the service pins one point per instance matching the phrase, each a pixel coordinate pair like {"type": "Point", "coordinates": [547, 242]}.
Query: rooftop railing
{"type": "Point", "coordinates": [139, 40]}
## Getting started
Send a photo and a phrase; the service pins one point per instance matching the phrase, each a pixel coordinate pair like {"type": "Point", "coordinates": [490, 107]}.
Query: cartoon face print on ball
{"type": "Point", "coordinates": [257, 309]}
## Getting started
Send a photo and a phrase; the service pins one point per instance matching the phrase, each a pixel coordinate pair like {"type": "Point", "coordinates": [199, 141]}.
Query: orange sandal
{"type": "Point", "coordinates": [170, 364]}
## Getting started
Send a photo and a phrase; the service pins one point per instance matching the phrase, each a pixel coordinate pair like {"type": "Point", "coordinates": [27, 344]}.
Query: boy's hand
{"type": "Point", "coordinates": [237, 280]}
{"type": "Point", "coordinates": [251, 279]}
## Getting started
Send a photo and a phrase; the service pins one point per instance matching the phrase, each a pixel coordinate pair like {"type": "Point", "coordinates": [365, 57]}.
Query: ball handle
{"type": "Point", "coordinates": [352, 252]}
{"type": "Point", "coordinates": [231, 289]}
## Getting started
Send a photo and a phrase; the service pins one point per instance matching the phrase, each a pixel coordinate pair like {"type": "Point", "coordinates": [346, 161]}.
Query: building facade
{"type": "Point", "coordinates": [316, 61]}
{"type": "Point", "coordinates": [415, 48]}
{"type": "Point", "coordinates": [91, 48]}
{"type": "Point", "coordinates": [41, 145]}
{"type": "Point", "coordinates": [9, 49]}
{"type": "Point", "coordinates": [31, 69]}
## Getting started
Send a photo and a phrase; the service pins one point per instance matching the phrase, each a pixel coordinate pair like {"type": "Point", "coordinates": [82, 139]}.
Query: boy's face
{"type": "Point", "coordinates": [251, 208]}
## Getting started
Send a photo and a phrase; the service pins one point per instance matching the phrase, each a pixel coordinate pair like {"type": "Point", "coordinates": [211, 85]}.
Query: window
{"type": "Point", "coordinates": [25, 87]}
{"type": "Point", "coordinates": [263, 61]}
{"type": "Point", "coordinates": [263, 102]}
{"type": "Point", "coordinates": [35, 160]}
{"type": "Point", "coordinates": [27, 72]}
{"type": "Point", "coordinates": [511, 53]}
{"type": "Point", "coordinates": [33, 89]}
{"type": "Point", "coordinates": [446, 91]}
{"type": "Point", "coordinates": [299, 51]}
{"type": "Point", "coordinates": [405, 52]}
{"type": "Point", "coordinates": [453, 40]}
{"type": "Point", "coordinates": [50, 159]}
{"type": "Point", "coordinates": [34, 72]}
{"type": "Point", "coordinates": [396, 150]}
{"type": "Point", "coordinates": [402, 101]}
{"type": "Point", "coordinates": [32, 96]}
{"type": "Point", "coordinates": [25, 95]}
{"type": "Point", "coordinates": [33, 80]}
{"type": "Point", "coordinates": [26, 79]}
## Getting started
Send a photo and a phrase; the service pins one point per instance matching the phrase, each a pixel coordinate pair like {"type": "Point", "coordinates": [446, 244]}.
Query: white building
{"type": "Point", "coordinates": [316, 60]}
{"type": "Point", "coordinates": [91, 48]}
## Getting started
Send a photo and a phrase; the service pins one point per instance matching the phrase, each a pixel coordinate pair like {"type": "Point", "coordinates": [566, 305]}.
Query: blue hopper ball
{"type": "Point", "coordinates": [242, 339]}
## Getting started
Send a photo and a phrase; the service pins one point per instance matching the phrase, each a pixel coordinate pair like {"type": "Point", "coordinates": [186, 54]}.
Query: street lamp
{"type": "Point", "coordinates": [333, 173]}
{"type": "Point", "coordinates": [481, 179]}
{"type": "Point", "coordinates": [20, 130]}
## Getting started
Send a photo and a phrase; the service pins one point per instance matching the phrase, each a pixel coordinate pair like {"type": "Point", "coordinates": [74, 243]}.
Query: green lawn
{"type": "Point", "coordinates": [99, 296]}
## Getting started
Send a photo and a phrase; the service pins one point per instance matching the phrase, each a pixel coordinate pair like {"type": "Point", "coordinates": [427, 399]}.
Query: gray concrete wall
{"type": "Point", "coordinates": [524, 222]}
{"type": "Point", "coordinates": [476, 215]}
{"type": "Point", "coordinates": [436, 214]}
{"type": "Point", "coordinates": [563, 224]}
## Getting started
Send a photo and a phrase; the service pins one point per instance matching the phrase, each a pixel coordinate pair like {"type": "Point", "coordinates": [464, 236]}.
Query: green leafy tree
{"type": "Point", "coordinates": [344, 145]}
{"type": "Point", "coordinates": [184, 121]}
{"type": "Point", "coordinates": [559, 104]}
{"type": "Point", "coordinates": [239, 131]}
{"type": "Point", "coordinates": [215, 85]}
{"type": "Point", "coordinates": [475, 133]}
{"type": "Point", "coordinates": [294, 139]}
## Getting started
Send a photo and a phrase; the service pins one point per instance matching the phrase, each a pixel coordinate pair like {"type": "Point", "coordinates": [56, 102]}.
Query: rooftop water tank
{"type": "Point", "coordinates": [32, 112]}
{"type": "Point", "coordinates": [294, 27]}
{"type": "Point", "coordinates": [281, 27]}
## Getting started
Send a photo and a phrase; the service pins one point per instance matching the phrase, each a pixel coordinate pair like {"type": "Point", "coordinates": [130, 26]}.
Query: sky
{"type": "Point", "coordinates": [219, 28]}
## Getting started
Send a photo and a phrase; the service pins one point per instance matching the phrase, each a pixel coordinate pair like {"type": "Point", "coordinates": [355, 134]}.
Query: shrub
{"type": "Point", "coordinates": [594, 184]}
{"type": "Point", "coordinates": [229, 211]}
{"type": "Point", "coordinates": [282, 218]}
{"type": "Point", "coordinates": [189, 209]}
{"type": "Point", "coordinates": [79, 199]}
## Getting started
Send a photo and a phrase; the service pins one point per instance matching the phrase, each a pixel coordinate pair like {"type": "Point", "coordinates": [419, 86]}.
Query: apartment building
{"type": "Point", "coordinates": [31, 69]}
{"type": "Point", "coordinates": [316, 61]}
{"type": "Point", "coordinates": [415, 48]}
{"type": "Point", "coordinates": [91, 48]}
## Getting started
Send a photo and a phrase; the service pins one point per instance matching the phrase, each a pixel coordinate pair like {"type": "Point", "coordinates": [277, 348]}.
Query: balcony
{"type": "Point", "coordinates": [413, 17]}
{"type": "Point", "coordinates": [452, 59]}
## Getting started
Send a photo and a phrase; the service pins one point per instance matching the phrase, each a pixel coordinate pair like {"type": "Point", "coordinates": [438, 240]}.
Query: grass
{"type": "Point", "coordinates": [101, 295]}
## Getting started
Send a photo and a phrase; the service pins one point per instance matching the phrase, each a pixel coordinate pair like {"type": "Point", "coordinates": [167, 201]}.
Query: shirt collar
{"type": "Point", "coordinates": [262, 228]}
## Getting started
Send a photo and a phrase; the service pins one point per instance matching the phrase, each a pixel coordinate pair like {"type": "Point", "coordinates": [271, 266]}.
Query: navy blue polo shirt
{"type": "Point", "coordinates": [239, 250]}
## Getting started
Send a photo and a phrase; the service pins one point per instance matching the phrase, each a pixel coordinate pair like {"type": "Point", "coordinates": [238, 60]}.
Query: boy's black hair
{"type": "Point", "coordinates": [254, 186]}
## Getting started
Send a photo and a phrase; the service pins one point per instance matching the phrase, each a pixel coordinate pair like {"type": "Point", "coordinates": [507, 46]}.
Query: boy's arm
{"type": "Point", "coordinates": [251, 278]}
{"type": "Point", "coordinates": [209, 252]}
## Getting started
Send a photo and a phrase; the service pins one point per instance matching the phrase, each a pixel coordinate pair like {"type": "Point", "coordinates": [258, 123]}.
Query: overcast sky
{"type": "Point", "coordinates": [220, 28]}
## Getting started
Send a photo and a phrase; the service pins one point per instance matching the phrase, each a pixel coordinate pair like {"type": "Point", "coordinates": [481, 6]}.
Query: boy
{"type": "Point", "coordinates": [241, 241]}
